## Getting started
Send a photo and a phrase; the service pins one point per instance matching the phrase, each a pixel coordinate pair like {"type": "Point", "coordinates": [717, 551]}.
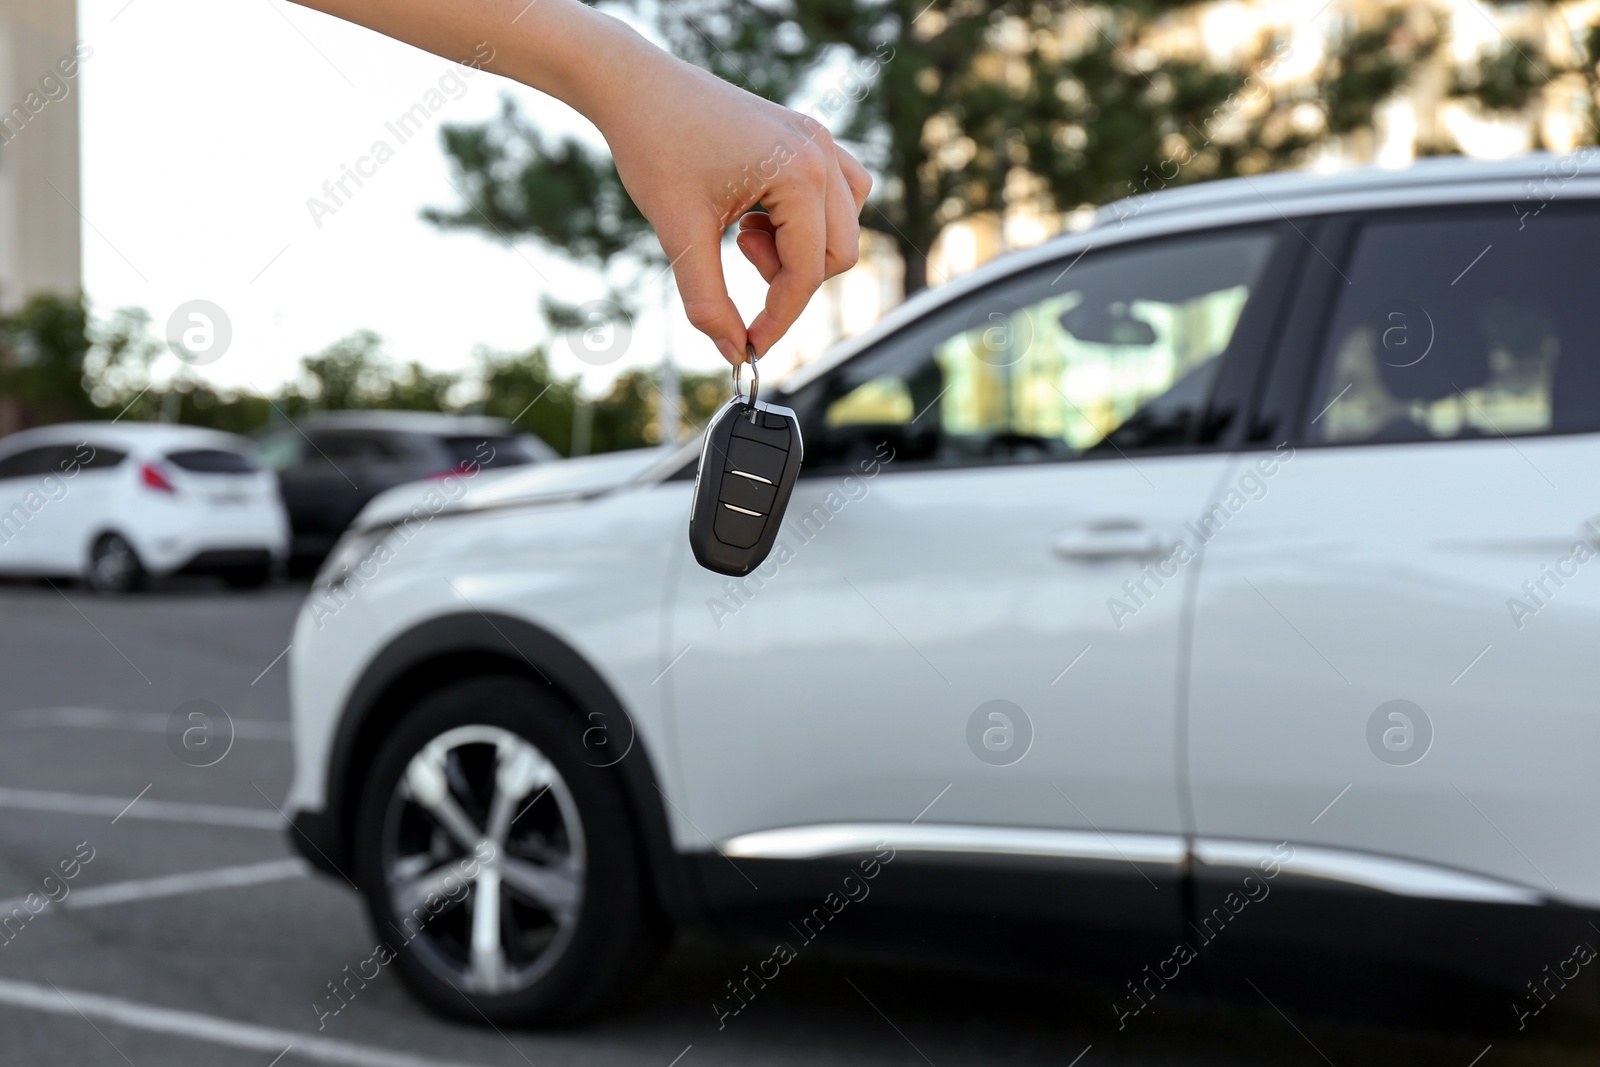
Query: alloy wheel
{"type": "Point", "coordinates": [113, 565]}
{"type": "Point", "coordinates": [483, 859]}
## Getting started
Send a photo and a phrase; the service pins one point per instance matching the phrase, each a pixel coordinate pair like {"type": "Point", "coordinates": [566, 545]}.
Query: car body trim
{"type": "Point", "coordinates": [846, 839]}
{"type": "Point", "coordinates": [1390, 874]}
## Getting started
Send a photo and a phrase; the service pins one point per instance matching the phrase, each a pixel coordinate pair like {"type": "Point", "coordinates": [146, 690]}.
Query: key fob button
{"type": "Point", "coordinates": [736, 528]}
{"type": "Point", "coordinates": [747, 493]}
{"type": "Point", "coordinates": [763, 461]}
{"type": "Point", "coordinates": [776, 436]}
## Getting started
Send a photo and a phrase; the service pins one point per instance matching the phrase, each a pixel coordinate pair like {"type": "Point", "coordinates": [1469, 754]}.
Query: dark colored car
{"type": "Point", "coordinates": [330, 465]}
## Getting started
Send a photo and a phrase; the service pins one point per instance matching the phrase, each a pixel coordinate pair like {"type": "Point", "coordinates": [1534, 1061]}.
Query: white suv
{"type": "Point", "coordinates": [1235, 546]}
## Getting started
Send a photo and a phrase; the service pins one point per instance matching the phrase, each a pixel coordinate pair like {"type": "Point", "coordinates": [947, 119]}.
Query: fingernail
{"type": "Point", "coordinates": [729, 352]}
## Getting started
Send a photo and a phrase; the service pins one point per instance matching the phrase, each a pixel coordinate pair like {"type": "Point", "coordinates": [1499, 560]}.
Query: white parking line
{"type": "Point", "coordinates": [173, 885]}
{"type": "Point", "coordinates": [160, 810]}
{"type": "Point", "coordinates": [144, 722]}
{"type": "Point", "coordinates": [209, 1028]}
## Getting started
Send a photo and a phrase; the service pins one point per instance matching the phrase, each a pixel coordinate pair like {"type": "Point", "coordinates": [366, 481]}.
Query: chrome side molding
{"type": "Point", "coordinates": [1387, 874]}
{"type": "Point", "coordinates": [847, 839]}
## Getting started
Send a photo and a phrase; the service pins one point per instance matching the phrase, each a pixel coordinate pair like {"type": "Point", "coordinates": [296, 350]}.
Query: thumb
{"type": "Point", "coordinates": [697, 270]}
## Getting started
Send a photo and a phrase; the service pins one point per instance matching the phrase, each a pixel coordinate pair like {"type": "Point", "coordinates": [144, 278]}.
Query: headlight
{"type": "Point", "coordinates": [358, 553]}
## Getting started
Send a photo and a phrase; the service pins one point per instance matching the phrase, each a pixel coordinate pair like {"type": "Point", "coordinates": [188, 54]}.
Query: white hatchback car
{"type": "Point", "coordinates": [1211, 577]}
{"type": "Point", "coordinates": [114, 503]}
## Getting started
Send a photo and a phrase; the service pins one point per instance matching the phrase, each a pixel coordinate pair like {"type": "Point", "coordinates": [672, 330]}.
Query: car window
{"type": "Point", "coordinates": [1459, 327]}
{"type": "Point", "coordinates": [90, 456]}
{"type": "Point", "coordinates": [339, 446]}
{"type": "Point", "coordinates": [212, 461]}
{"type": "Point", "coordinates": [1113, 350]}
{"type": "Point", "coordinates": [280, 451]}
{"type": "Point", "coordinates": [52, 459]}
{"type": "Point", "coordinates": [28, 461]}
{"type": "Point", "coordinates": [489, 450]}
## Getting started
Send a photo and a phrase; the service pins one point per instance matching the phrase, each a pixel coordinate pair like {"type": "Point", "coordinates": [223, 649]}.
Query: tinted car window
{"type": "Point", "coordinates": [487, 450]}
{"type": "Point", "coordinates": [1462, 326]}
{"type": "Point", "coordinates": [1113, 350]}
{"type": "Point", "coordinates": [58, 459]}
{"type": "Point", "coordinates": [341, 445]}
{"type": "Point", "coordinates": [92, 457]}
{"type": "Point", "coordinates": [28, 461]}
{"type": "Point", "coordinates": [212, 461]}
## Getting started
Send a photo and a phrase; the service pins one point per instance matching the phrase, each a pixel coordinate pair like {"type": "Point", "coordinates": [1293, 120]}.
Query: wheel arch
{"type": "Point", "coordinates": [450, 648]}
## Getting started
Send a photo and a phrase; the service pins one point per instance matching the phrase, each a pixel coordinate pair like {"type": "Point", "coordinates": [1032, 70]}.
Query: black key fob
{"type": "Point", "coordinates": [748, 465]}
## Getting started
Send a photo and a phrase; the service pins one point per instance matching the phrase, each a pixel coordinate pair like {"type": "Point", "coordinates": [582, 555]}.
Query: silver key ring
{"type": "Point", "coordinates": [755, 375]}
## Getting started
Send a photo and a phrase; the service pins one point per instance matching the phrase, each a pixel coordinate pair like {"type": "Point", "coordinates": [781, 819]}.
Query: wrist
{"type": "Point", "coordinates": [600, 65]}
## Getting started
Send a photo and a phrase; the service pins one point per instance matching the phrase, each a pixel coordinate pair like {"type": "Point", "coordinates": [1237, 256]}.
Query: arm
{"type": "Point", "coordinates": [694, 152]}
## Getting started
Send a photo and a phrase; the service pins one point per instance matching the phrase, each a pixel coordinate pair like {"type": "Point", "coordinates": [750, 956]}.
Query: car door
{"type": "Point", "coordinates": [90, 485]}
{"type": "Point", "coordinates": [966, 639]}
{"type": "Point", "coordinates": [336, 472]}
{"type": "Point", "coordinates": [1392, 666]}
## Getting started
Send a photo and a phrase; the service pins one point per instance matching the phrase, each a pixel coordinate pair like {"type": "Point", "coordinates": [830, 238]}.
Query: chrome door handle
{"type": "Point", "coordinates": [1109, 540]}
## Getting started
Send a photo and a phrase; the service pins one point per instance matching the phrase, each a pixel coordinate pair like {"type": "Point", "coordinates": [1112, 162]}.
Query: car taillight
{"type": "Point", "coordinates": [465, 467]}
{"type": "Point", "coordinates": [151, 477]}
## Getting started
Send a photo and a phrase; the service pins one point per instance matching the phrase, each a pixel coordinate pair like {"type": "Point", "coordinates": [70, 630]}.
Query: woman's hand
{"type": "Point", "coordinates": [694, 152]}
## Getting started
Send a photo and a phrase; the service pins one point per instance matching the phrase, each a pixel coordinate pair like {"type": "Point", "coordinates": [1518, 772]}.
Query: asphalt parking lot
{"type": "Point", "coordinates": [187, 933]}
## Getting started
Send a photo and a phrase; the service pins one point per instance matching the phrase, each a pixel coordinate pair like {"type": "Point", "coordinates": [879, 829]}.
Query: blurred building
{"type": "Point", "coordinates": [40, 228]}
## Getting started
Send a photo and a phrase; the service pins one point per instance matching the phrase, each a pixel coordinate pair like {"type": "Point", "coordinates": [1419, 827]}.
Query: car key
{"type": "Point", "coordinates": [748, 464]}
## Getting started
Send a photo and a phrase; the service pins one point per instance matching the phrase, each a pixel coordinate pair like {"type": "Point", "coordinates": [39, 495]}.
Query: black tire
{"type": "Point", "coordinates": [549, 970]}
{"type": "Point", "coordinates": [114, 567]}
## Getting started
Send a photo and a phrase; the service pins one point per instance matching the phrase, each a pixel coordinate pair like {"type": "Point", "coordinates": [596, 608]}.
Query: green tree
{"type": "Point", "coordinates": [521, 387]}
{"type": "Point", "coordinates": [43, 348]}
{"type": "Point", "coordinates": [1518, 74]}
{"type": "Point", "coordinates": [117, 366]}
{"type": "Point", "coordinates": [196, 403]}
{"type": "Point", "coordinates": [56, 365]}
{"type": "Point", "coordinates": [415, 388]}
{"type": "Point", "coordinates": [628, 415]}
{"type": "Point", "coordinates": [350, 373]}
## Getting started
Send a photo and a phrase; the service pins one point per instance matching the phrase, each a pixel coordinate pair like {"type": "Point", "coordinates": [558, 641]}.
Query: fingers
{"type": "Point", "coordinates": [698, 272]}
{"type": "Point", "coordinates": [758, 241]}
{"type": "Point", "coordinates": [844, 225]}
{"type": "Point", "coordinates": [796, 204]}
{"type": "Point", "coordinates": [809, 233]}
{"type": "Point", "coordinates": [855, 176]}
{"type": "Point", "coordinates": [783, 243]}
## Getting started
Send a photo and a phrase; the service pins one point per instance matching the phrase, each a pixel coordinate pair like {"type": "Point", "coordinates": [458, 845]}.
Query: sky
{"type": "Point", "coordinates": [207, 127]}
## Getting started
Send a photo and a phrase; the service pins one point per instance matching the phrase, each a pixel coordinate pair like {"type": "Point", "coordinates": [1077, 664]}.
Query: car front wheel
{"type": "Point", "coordinates": [501, 869]}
